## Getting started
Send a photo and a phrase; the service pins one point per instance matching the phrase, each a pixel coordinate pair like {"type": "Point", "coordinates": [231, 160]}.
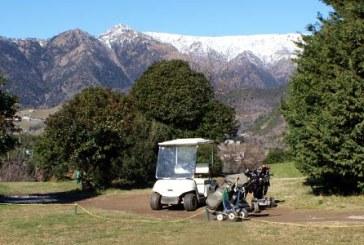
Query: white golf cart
{"type": "Point", "coordinates": [181, 177]}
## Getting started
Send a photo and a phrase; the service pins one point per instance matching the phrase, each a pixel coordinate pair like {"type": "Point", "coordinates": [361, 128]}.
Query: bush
{"type": "Point", "coordinates": [88, 134]}
{"type": "Point", "coordinates": [18, 164]}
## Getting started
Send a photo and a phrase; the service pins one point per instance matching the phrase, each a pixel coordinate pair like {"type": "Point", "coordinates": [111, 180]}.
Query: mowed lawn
{"type": "Point", "coordinates": [288, 184]}
{"type": "Point", "coordinates": [58, 224]}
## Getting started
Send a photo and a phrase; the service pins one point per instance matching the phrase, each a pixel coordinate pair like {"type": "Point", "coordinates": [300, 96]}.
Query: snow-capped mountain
{"type": "Point", "coordinates": [268, 48]}
{"type": "Point", "coordinates": [216, 56]}
{"type": "Point", "coordinates": [247, 72]}
{"type": "Point", "coordinates": [120, 34]}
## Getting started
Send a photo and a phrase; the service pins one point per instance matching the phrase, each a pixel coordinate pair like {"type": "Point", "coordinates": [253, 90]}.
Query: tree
{"type": "Point", "coordinates": [172, 94]}
{"type": "Point", "coordinates": [7, 115]}
{"type": "Point", "coordinates": [325, 103]}
{"type": "Point", "coordinates": [109, 137]}
{"type": "Point", "coordinates": [179, 103]}
{"type": "Point", "coordinates": [88, 134]}
{"type": "Point", "coordinates": [139, 160]}
{"type": "Point", "coordinates": [218, 122]}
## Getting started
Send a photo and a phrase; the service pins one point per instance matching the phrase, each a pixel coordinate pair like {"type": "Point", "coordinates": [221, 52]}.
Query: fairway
{"type": "Point", "coordinates": [124, 217]}
{"type": "Point", "coordinates": [60, 225]}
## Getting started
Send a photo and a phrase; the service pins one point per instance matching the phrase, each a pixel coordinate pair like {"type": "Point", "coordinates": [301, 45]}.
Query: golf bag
{"type": "Point", "coordinates": [259, 181]}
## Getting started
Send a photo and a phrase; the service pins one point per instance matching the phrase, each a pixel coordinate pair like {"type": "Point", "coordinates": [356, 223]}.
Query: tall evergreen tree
{"type": "Point", "coordinates": [325, 103]}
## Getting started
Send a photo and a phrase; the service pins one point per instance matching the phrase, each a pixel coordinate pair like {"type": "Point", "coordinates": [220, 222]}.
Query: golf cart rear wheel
{"type": "Point", "coordinates": [244, 214]}
{"type": "Point", "coordinates": [155, 201]}
{"type": "Point", "coordinates": [190, 202]}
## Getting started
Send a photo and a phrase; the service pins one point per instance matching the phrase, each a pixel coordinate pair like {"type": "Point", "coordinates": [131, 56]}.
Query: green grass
{"type": "Point", "coordinates": [21, 188]}
{"type": "Point", "coordinates": [59, 225]}
{"type": "Point", "coordinates": [285, 170]}
{"type": "Point", "coordinates": [288, 184]}
{"type": "Point", "coordinates": [299, 196]}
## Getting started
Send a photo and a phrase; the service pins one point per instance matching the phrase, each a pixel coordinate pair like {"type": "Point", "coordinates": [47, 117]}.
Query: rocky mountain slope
{"type": "Point", "coordinates": [248, 72]}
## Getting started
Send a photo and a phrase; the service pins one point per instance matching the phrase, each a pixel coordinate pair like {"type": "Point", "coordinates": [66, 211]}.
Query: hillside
{"type": "Point", "coordinates": [248, 72]}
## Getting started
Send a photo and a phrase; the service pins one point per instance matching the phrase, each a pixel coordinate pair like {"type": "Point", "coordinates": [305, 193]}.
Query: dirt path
{"type": "Point", "coordinates": [139, 204]}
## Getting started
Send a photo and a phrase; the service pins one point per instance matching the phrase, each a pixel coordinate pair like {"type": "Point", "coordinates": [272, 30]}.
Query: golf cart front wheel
{"type": "Point", "coordinates": [155, 201]}
{"type": "Point", "coordinates": [190, 202]}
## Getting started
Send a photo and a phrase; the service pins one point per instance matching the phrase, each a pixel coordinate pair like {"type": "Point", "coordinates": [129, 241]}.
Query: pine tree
{"type": "Point", "coordinates": [325, 103]}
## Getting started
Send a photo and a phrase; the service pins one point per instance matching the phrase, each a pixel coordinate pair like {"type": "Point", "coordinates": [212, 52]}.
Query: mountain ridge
{"type": "Point", "coordinates": [268, 47]}
{"type": "Point", "coordinates": [45, 73]}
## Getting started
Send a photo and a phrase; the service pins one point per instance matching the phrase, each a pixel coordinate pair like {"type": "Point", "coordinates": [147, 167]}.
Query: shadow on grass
{"type": "Point", "coordinates": [333, 186]}
{"type": "Point", "coordinates": [49, 198]}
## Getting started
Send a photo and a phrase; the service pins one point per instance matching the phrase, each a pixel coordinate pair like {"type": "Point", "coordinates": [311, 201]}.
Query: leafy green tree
{"type": "Point", "coordinates": [182, 99]}
{"type": "Point", "coordinates": [7, 114]}
{"type": "Point", "coordinates": [88, 134]}
{"type": "Point", "coordinates": [139, 160]}
{"type": "Point", "coordinates": [109, 137]}
{"type": "Point", "coordinates": [218, 122]}
{"type": "Point", "coordinates": [325, 104]}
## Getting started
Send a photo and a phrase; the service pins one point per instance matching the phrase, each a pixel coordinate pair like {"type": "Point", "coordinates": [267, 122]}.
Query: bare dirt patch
{"type": "Point", "coordinates": [138, 203]}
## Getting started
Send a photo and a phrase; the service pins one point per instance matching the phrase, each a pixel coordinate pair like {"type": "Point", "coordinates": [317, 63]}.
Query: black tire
{"type": "Point", "coordinates": [155, 201]}
{"type": "Point", "coordinates": [244, 214]}
{"type": "Point", "coordinates": [273, 203]}
{"type": "Point", "coordinates": [190, 202]}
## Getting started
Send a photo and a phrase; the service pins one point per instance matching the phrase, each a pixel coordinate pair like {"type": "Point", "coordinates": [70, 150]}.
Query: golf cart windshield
{"type": "Point", "coordinates": [176, 161]}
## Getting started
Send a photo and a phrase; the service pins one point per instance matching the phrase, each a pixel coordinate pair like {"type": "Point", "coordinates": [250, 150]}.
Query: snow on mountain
{"type": "Point", "coordinates": [269, 48]}
{"type": "Point", "coordinates": [120, 34]}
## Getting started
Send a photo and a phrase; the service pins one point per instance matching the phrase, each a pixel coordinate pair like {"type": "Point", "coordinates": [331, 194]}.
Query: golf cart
{"type": "Point", "coordinates": [183, 173]}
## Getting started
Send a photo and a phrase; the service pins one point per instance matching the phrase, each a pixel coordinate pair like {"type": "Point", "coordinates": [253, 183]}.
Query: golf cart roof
{"type": "Point", "coordinates": [187, 141]}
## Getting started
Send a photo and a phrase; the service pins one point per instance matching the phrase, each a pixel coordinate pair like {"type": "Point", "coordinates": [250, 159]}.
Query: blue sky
{"type": "Point", "coordinates": [45, 18]}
